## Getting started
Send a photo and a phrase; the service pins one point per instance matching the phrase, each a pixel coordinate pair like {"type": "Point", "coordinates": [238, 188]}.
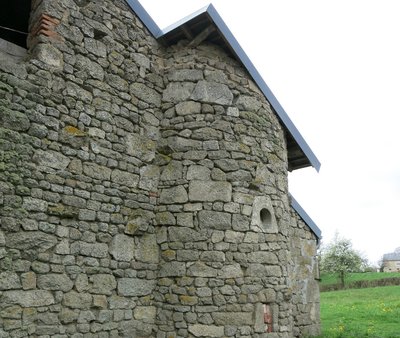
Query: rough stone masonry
{"type": "Point", "coordinates": [143, 189]}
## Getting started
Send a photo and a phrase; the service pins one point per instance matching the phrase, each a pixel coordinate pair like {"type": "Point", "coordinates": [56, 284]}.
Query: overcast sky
{"type": "Point", "coordinates": [335, 68]}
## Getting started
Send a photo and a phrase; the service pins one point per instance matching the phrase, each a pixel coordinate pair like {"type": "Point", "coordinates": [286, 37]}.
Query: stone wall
{"type": "Point", "coordinates": [143, 190]}
{"type": "Point", "coordinates": [391, 266]}
{"type": "Point", "coordinates": [304, 275]}
{"type": "Point", "coordinates": [225, 161]}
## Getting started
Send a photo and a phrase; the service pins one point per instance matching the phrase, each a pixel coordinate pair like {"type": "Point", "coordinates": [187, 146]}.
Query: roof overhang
{"type": "Point", "coordinates": [300, 154]}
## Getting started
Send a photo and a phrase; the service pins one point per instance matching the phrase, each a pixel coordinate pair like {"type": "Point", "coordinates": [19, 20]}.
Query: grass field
{"type": "Point", "coordinates": [330, 278]}
{"type": "Point", "coordinates": [357, 313]}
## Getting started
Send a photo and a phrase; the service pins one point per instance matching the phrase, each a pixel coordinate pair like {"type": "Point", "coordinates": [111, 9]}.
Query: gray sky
{"type": "Point", "coordinates": [335, 68]}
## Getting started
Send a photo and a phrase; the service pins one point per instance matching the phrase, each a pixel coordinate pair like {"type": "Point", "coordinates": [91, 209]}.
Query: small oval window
{"type": "Point", "coordinates": [266, 218]}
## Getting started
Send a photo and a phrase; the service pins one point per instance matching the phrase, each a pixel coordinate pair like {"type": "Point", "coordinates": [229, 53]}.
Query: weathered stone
{"type": "Point", "coordinates": [214, 220]}
{"type": "Point", "coordinates": [139, 221]}
{"type": "Point", "coordinates": [92, 68]}
{"type": "Point", "coordinates": [179, 144]}
{"type": "Point", "coordinates": [173, 195]}
{"type": "Point", "coordinates": [124, 178]}
{"type": "Point", "coordinates": [233, 318]}
{"type": "Point", "coordinates": [199, 330]}
{"type": "Point", "coordinates": [172, 269]}
{"type": "Point", "coordinates": [122, 248]}
{"type": "Point", "coordinates": [77, 300]}
{"type": "Point", "coordinates": [82, 283]}
{"type": "Point", "coordinates": [14, 120]}
{"type": "Point", "coordinates": [2, 238]}
{"type": "Point", "coordinates": [185, 75]}
{"type": "Point", "coordinates": [143, 92]}
{"type": "Point", "coordinates": [172, 171]}
{"type": "Point", "coordinates": [35, 240]}
{"type": "Point", "coordinates": [51, 159]}
{"type": "Point", "coordinates": [210, 191]}
{"type": "Point", "coordinates": [227, 165]}
{"type": "Point", "coordinates": [165, 218]}
{"type": "Point", "coordinates": [188, 108]}
{"type": "Point", "coordinates": [250, 103]}
{"type": "Point", "coordinates": [178, 92]}
{"type": "Point", "coordinates": [233, 236]}
{"type": "Point", "coordinates": [149, 176]}
{"type": "Point", "coordinates": [55, 282]}
{"type": "Point", "coordinates": [140, 147]}
{"type": "Point", "coordinates": [70, 208]}
{"type": "Point", "coordinates": [147, 314]}
{"type": "Point", "coordinates": [198, 172]}
{"type": "Point", "coordinates": [148, 250]}
{"type": "Point", "coordinates": [263, 257]}
{"type": "Point", "coordinates": [98, 250]}
{"type": "Point", "coordinates": [117, 82]}
{"type": "Point", "coordinates": [34, 204]}
{"type": "Point", "coordinates": [231, 271]}
{"type": "Point", "coordinates": [68, 316]}
{"type": "Point", "coordinates": [49, 54]}
{"type": "Point", "coordinates": [96, 47]}
{"type": "Point", "coordinates": [103, 284]}
{"type": "Point", "coordinates": [232, 111]}
{"type": "Point", "coordinates": [184, 234]}
{"type": "Point", "coordinates": [200, 269]}
{"type": "Point", "coordinates": [135, 287]}
{"type": "Point", "coordinates": [9, 280]}
{"type": "Point", "coordinates": [31, 298]}
{"type": "Point", "coordinates": [96, 171]}
{"type": "Point", "coordinates": [216, 76]}
{"type": "Point", "coordinates": [212, 92]}
{"type": "Point", "coordinates": [28, 280]}
{"type": "Point", "coordinates": [185, 219]}
{"type": "Point", "coordinates": [259, 270]}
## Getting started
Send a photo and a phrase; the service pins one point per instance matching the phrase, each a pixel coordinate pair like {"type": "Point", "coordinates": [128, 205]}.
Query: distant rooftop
{"type": "Point", "coordinates": [394, 256]}
{"type": "Point", "coordinates": [207, 20]}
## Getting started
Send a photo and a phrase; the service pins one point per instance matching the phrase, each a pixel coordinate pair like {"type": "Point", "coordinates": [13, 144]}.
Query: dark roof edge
{"type": "Point", "coordinates": [242, 56]}
{"type": "Point", "coordinates": [304, 216]}
{"type": "Point", "coordinates": [145, 18]}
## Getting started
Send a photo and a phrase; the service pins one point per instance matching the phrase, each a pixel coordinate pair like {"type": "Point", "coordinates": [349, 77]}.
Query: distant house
{"type": "Point", "coordinates": [391, 262]}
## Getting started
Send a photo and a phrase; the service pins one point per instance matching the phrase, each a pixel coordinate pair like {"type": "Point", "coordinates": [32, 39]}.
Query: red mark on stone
{"type": "Point", "coordinates": [268, 318]}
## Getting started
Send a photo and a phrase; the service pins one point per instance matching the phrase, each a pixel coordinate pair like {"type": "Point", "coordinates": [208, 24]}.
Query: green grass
{"type": "Point", "coordinates": [357, 313]}
{"type": "Point", "coordinates": [330, 278]}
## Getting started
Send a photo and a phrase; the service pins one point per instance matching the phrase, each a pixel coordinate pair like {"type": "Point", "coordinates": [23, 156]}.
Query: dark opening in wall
{"type": "Point", "coordinates": [266, 218]}
{"type": "Point", "coordinates": [14, 20]}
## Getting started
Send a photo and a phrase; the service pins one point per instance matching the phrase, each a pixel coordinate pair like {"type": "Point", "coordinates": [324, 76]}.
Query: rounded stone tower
{"type": "Point", "coordinates": [223, 212]}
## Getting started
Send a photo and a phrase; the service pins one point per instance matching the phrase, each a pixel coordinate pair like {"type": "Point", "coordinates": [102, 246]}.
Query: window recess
{"type": "Point", "coordinates": [14, 21]}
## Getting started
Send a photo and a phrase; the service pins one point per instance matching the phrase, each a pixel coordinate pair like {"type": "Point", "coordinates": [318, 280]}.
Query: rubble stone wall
{"type": "Point", "coordinates": [143, 190]}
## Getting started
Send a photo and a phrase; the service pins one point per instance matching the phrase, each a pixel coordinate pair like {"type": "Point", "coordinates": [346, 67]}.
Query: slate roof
{"type": "Point", "coordinates": [300, 154]}
{"type": "Point", "coordinates": [394, 256]}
